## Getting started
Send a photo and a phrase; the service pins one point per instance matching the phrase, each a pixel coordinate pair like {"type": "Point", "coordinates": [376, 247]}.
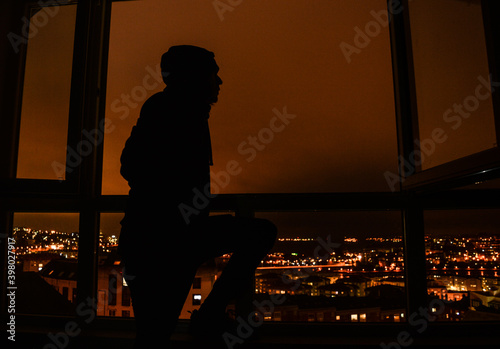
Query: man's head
{"type": "Point", "coordinates": [192, 71]}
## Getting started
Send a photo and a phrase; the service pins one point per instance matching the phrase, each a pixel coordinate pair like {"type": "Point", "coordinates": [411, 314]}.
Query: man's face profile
{"type": "Point", "coordinates": [214, 82]}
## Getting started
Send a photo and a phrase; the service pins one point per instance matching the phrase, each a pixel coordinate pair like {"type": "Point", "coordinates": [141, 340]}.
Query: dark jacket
{"type": "Point", "coordinates": [166, 161]}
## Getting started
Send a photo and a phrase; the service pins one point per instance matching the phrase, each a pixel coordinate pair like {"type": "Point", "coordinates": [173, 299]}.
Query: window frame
{"type": "Point", "coordinates": [70, 185]}
{"type": "Point", "coordinates": [81, 191]}
{"type": "Point", "coordinates": [476, 167]}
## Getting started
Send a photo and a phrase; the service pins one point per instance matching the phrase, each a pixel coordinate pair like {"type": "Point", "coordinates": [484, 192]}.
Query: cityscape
{"type": "Point", "coordinates": [323, 279]}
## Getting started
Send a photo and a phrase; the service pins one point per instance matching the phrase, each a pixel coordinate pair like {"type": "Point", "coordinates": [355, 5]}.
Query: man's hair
{"type": "Point", "coordinates": [186, 61]}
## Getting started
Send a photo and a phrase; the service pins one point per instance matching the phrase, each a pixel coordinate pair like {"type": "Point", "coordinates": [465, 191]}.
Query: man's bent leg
{"type": "Point", "coordinates": [249, 240]}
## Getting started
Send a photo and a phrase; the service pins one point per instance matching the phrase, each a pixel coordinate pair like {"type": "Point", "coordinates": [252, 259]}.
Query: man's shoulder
{"type": "Point", "coordinates": [155, 106]}
{"type": "Point", "coordinates": [161, 103]}
{"type": "Point", "coordinates": [155, 100]}
{"type": "Point", "coordinates": [160, 111]}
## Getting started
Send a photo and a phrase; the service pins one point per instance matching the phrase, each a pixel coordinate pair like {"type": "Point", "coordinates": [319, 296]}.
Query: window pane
{"type": "Point", "coordinates": [46, 93]}
{"type": "Point", "coordinates": [298, 110]}
{"type": "Point", "coordinates": [46, 248]}
{"type": "Point", "coordinates": [455, 112]}
{"type": "Point", "coordinates": [334, 267]}
{"type": "Point", "coordinates": [463, 251]}
{"type": "Point", "coordinates": [112, 289]}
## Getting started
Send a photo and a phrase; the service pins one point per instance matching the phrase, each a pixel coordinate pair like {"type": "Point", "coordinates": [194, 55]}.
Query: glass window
{"type": "Point", "coordinates": [343, 263]}
{"type": "Point", "coordinates": [46, 256]}
{"type": "Point", "coordinates": [112, 287]}
{"type": "Point", "coordinates": [197, 283]}
{"type": "Point", "coordinates": [312, 112]}
{"type": "Point", "coordinates": [46, 93]}
{"type": "Point", "coordinates": [196, 299]}
{"type": "Point", "coordinates": [463, 251]}
{"type": "Point", "coordinates": [126, 298]}
{"type": "Point", "coordinates": [453, 85]}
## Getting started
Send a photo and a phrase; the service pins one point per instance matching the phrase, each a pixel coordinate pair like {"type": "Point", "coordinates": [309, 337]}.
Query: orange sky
{"type": "Point", "coordinates": [450, 70]}
{"type": "Point", "coordinates": [272, 54]}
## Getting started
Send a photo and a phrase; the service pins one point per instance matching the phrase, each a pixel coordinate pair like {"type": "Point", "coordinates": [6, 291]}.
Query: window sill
{"type": "Point", "coordinates": [106, 333]}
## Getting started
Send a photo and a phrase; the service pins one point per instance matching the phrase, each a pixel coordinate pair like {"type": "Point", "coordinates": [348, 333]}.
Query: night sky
{"type": "Point", "coordinates": [273, 55]}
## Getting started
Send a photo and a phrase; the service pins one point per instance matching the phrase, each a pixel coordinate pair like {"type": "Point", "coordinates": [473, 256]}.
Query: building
{"type": "Point", "coordinates": [274, 283]}
{"type": "Point", "coordinates": [114, 298]}
{"type": "Point", "coordinates": [339, 289]}
{"type": "Point", "coordinates": [61, 274]}
{"type": "Point", "coordinates": [315, 281]}
{"type": "Point", "coordinates": [489, 301]}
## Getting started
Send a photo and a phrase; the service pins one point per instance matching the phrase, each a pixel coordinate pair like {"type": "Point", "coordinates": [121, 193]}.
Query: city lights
{"type": "Point", "coordinates": [459, 268]}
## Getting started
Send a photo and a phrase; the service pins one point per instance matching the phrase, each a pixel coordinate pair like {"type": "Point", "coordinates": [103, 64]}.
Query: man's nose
{"type": "Point", "coordinates": [219, 80]}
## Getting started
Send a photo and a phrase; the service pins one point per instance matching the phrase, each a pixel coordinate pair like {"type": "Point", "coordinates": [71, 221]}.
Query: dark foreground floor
{"type": "Point", "coordinates": [277, 336]}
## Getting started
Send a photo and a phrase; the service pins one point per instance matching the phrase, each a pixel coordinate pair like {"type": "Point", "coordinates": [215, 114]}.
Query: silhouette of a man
{"type": "Point", "coordinates": [166, 162]}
